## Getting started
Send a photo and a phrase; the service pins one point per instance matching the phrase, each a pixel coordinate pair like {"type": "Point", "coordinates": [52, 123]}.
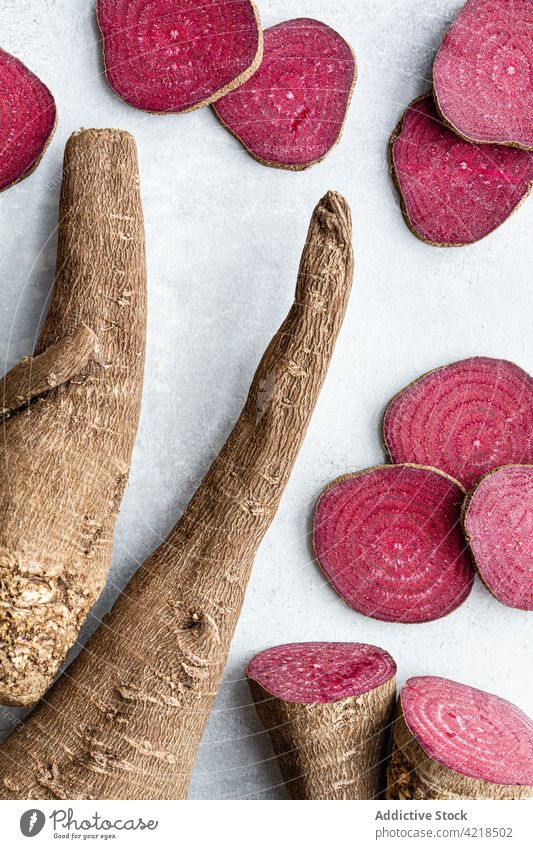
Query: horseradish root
{"type": "Point", "coordinates": [466, 419]}
{"type": "Point", "coordinates": [453, 192]}
{"type": "Point", "coordinates": [482, 73]}
{"type": "Point", "coordinates": [66, 457]}
{"type": "Point", "coordinates": [126, 721]}
{"type": "Point", "coordinates": [389, 540]}
{"type": "Point", "coordinates": [177, 55]}
{"type": "Point", "coordinates": [328, 708]}
{"type": "Point", "coordinates": [498, 524]}
{"type": "Point", "coordinates": [27, 120]}
{"type": "Point", "coordinates": [452, 741]}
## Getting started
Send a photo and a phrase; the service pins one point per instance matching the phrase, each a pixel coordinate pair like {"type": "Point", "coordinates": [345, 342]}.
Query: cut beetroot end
{"type": "Point", "coordinates": [482, 72]}
{"type": "Point", "coordinates": [27, 120]}
{"type": "Point", "coordinates": [319, 673]}
{"type": "Point", "coordinates": [389, 540]}
{"type": "Point", "coordinates": [454, 192]}
{"type": "Point", "coordinates": [498, 523]}
{"type": "Point", "coordinates": [469, 731]}
{"type": "Point", "coordinates": [466, 419]}
{"type": "Point", "coordinates": [175, 55]}
{"type": "Point", "coordinates": [291, 113]}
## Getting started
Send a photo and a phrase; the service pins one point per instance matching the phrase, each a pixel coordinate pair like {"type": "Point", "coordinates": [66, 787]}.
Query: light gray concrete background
{"type": "Point", "coordinates": [224, 237]}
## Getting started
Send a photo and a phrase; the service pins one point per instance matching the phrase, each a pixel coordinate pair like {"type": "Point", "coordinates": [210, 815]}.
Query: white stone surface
{"type": "Point", "coordinates": [224, 237]}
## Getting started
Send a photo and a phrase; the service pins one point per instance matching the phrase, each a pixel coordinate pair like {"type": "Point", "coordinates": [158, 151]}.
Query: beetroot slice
{"type": "Point", "coordinates": [453, 192]}
{"type": "Point", "coordinates": [469, 731]}
{"type": "Point", "coordinates": [389, 540]}
{"type": "Point", "coordinates": [291, 113]}
{"type": "Point", "coordinates": [466, 419]}
{"type": "Point", "coordinates": [498, 523]}
{"type": "Point", "coordinates": [319, 673]}
{"type": "Point", "coordinates": [177, 55]}
{"type": "Point", "coordinates": [482, 73]}
{"type": "Point", "coordinates": [27, 120]}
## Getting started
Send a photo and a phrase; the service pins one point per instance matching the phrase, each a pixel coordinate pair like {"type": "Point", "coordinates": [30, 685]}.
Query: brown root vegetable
{"type": "Point", "coordinates": [126, 721]}
{"type": "Point", "coordinates": [66, 457]}
{"type": "Point", "coordinates": [451, 741]}
{"type": "Point", "coordinates": [328, 708]}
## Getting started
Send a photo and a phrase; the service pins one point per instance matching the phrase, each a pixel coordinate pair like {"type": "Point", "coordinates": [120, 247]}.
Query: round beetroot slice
{"type": "Point", "coordinates": [291, 113]}
{"type": "Point", "coordinates": [469, 731]}
{"type": "Point", "coordinates": [498, 523]}
{"type": "Point", "coordinates": [389, 540]}
{"type": "Point", "coordinates": [453, 192]}
{"type": "Point", "coordinates": [319, 673]}
{"type": "Point", "coordinates": [177, 55]}
{"type": "Point", "coordinates": [466, 418]}
{"type": "Point", "coordinates": [27, 120]}
{"type": "Point", "coordinates": [482, 73]}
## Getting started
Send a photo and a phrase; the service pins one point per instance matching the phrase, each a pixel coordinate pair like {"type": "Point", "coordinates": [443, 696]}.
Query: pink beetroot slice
{"type": "Point", "coordinates": [389, 540]}
{"type": "Point", "coordinates": [482, 73]}
{"type": "Point", "coordinates": [291, 112]}
{"type": "Point", "coordinates": [454, 192]}
{"type": "Point", "coordinates": [469, 731]}
{"type": "Point", "coordinates": [27, 120]}
{"type": "Point", "coordinates": [466, 419]}
{"type": "Point", "coordinates": [316, 673]}
{"type": "Point", "coordinates": [178, 55]}
{"type": "Point", "coordinates": [498, 523]}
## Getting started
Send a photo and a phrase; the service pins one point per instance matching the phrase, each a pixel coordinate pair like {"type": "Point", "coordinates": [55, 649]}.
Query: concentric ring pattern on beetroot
{"type": "Point", "coordinates": [317, 673]}
{"type": "Point", "coordinates": [466, 418]}
{"type": "Point", "coordinates": [27, 120]}
{"type": "Point", "coordinates": [454, 192]}
{"type": "Point", "coordinates": [390, 542]}
{"type": "Point", "coordinates": [482, 73]}
{"type": "Point", "coordinates": [469, 731]}
{"type": "Point", "coordinates": [498, 523]}
{"type": "Point", "coordinates": [178, 55]}
{"type": "Point", "coordinates": [291, 113]}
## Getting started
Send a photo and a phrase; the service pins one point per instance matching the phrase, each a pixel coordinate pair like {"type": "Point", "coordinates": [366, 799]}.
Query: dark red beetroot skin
{"type": "Point", "coordinates": [389, 540]}
{"type": "Point", "coordinates": [319, 673]}
{"type": "Point", "coordinates": [453, 192]}
{"type": "Point", "coordinates": [498, 523]}
{"type": "Point", "coordinates": [291, 113]}
{"type": "Point", "coordinates": [27, 120]}
{"type": "Point", "coordinates": [482, 73]}
{"type": "Point", "coordinates": [469, 731]}
{"type": "Point", "coordinates": [178, 55]}
{"type": "Point", "coordinates": [466, 419]}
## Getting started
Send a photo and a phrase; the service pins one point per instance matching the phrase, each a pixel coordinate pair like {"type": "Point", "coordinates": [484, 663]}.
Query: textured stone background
{"type": "Point", "coordinates": [224, 237]}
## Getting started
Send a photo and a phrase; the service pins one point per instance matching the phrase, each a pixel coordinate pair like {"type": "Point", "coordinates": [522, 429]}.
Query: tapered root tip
{"type": "Point", "coordinates": [333, 213]}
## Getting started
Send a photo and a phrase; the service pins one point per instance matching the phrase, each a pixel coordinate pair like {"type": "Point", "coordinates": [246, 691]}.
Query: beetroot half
{"type": "Point", "coordinates": [389, 540]}
{"type": "Point", "coordinates": [452, 741]}
{"type": "Point", "coordinates": [319, 673]}
{"type": "Point", "coordinates": [291, 113]}
{"type": "Point", "coordinates": [177, 55]}
{"type": "Point", "coordinates": [27, 120]}
{"type": "Point", "coordinates": [498, 523]}
{"type": "Point", "coordinates": [482, 73]}
{"type": "Point", "coordinates": [466, 419]}
{"type": "Point", "coordinates": [453, 192]}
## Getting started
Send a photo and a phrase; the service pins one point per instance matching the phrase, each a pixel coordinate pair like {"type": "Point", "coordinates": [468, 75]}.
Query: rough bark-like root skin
{"type": "Point", "coordinates": [330, 751]}
{"type": "Point", "coordinates": [467, 237]}
{"type": "Point", "coordinates": [66, 457]}
{"type": "Point", "coordinates": [219, 111]}
{"type": "Point", "coordinates": [127, 719]}
{"type": "Point", "coordinates": [413, 775]}
{"type": "Point", "coordinates": [470, 20]}
{"type": "Point", "coordinates": [30, 89]}
{"type": "Point", "coordinates": [230, 86]}
{"type": "Point", "coordinates": [498, 589]}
